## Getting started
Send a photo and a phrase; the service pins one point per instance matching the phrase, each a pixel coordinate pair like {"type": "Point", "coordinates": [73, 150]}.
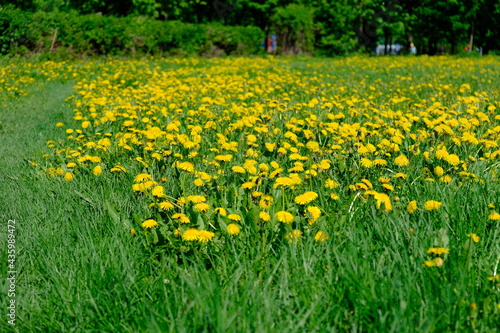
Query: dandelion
{"type": "Point", "coordinates": [313, 213]}
{"type": "Point", "coordinates": [401, 160]}
{"type": "Point", "coordinates": [366, 163]}
{"type": "Point", "coordinates": [452, 159]}
{"type": "Point", "coordinates": [118, 168]}
{"type": "Point", "coordinates": [181, 218]}
{"type": "Point", "coordinates": [166, 205]}
{"type": "Point", "coordinates": [306, 198]}
{"type": "Point", "coordinates": [494, 216]}
{"type": "Point", "coordinates": [201, 207]}
{"type": "Point", "coordinates": [205, 236]}
{"type": "Point", "coordinates": [158, 191]}
{"type": "Point", "coordinates": [383, 200]}
{"type": "Point", "coordinates": [199, 182]}
{"type": "Point", "coordinates": [233, 229]}
{"type": "Point", "coordinates": [196, 198]}
{"type": "Point", "coordinates": [234, 217]}
{"type": "Point", "coordinates": [294, 236]}
{"type": "Point", "coordinates": [248, 185]}
{"type": "Point", "coordinates": [334, 196]}
{"type": "Point", "coordinates": [264, 216]}
{"type": "Point", "coordinates": [438, 262]}
{"type": "Point", "coordinates": [221, 211]}
{"type": "Point", "coordinates": [412, 207]}
{"type": "Point", "coordinates": [190, 234]}
{"type": "Point", "coordinates": [284, 216]}
{"type": "Point", "coordinates": [438, 250]}
{"type": "Point", "coordinates": [432, 205]}
{"type": "Point", "coordinates": [238, 169]}
{"type": "Point", "coordinates": [320, 236]}
{"type": "Point", "coordinates": [142, 178]}
{"type": "Point", "coordinates": [438, 171]}
{"type": "Point", "coordinates": [149, 224]}
{"type": "Point", "coordinates": [474, 237]}
{"type": "Point", "coordinates": [68, 176]}
{"type": "Point", "coordinates": [331, 184]}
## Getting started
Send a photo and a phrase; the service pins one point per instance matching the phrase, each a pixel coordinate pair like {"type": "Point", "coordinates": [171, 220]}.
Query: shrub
{"type": "Point", "coordinates": [106, 35]}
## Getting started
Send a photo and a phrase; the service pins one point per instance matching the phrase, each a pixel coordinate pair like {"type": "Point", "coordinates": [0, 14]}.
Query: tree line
{"type": "Point", "coordinates": [321, 26]}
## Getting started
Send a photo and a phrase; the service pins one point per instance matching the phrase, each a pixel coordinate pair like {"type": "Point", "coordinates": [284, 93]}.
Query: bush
{"type": "Point", "coordinates": [294, 26]}
{"type": "Point", "coordinates": [80, 35]}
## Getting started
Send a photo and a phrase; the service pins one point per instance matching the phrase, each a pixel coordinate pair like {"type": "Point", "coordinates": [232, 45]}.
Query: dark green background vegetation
{"type": "Point", "coordinates": [238, 27]}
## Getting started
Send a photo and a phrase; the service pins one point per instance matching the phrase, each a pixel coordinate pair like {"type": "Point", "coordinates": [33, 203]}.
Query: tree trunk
{"type": "Point", "coordinates": [471, 40]}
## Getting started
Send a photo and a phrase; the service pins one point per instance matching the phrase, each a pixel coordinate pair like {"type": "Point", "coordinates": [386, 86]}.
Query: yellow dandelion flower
{"type": "Point", "coordinates": [438, 250]}
{"type": "Point", "coordinates": [284, 216]}
{"type": "Point", "coordinates": [401, 160]}
{"type": "Point", "coordinates": [166, 205]}
{"type": "Point", "coordinates": [366, 163]}
{"type": "Point", "coordinates": [283, 182]}
{"type": "Point", "coordinates": [438, 262]}
{"type": "Point", "coordinates": [474, 237]}
{"type": "Point", "coordinates": [158, 191]}
{"type": "Point", "coordinates": [331, 184]}
{"type": "Point", "coordinates": [494, 216]}
{"type": "Point", "coordinates": [384, 180]}
{"type": "Point", "coordinates": [224, 158]}
{"type": "Point", "coordinates": [199, 182]}
{"type": "Point", "coordinates": [118, 168]}
{"type": "Point", "coordinates": [221, 211]}
{"type": "Point", "coordinates": [233, 229]}
{"type": "Point", "coordinates": [181, 218]}
{"type": "Point", "coordinates": [185, 166]}
{"type": "Point", "coordinates": [388, 187]}
{"type": "Point", "coordinates": [412, 207]}
{"type": "Point", "coordinates": [234, 217]}
{"type": "Point", "coordinates": [379, 162]}
{"type": "Point", "coordinates": [383, 199]}
{"type": "Point", "coordinates": [432, 205]}
{"type": "Point", "coordinates": [149, 224]}
{"type": "Point", "coordinates": [205, 236]}
{"type": "Point", "coordinates": [400, 175]}
{"type": "Point", "coordinates": [71, 165]}
{"type": "Point", "coordinates": [190, 234]}
{"type": "Point", "coordinates": [201, 207]}
{"type": "Point", "coordinates": [196, 198]}
{"type": "Point", "coordinates": [438, 171]}
{"type": "Point", "coordinates": [68, 176]}
{"type": "Point", "coordinates": [294, 236]}
{"type": "Point", "coordinates": [306, 198]}
{"type": "Point", "coordinates": [248, 185]}
{"type": "Point", "coordinates": [142, 178]}
{"type": "Point", "coordinates": [445, 179]}
{"type": "Point", "coordinates": [452, 159]}
{"type": "Point", "coordinates": [334, 196]}
{"type": "Point", "coordinates": [320, 236]}
{"type": "Point", "coordinates": [313, 213]}
{"type": "Point", "coordinates": [264, 216]}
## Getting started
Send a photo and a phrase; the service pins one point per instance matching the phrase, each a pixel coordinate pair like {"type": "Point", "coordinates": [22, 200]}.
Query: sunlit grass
{"type": "Point", "coordinates": [259, 194]}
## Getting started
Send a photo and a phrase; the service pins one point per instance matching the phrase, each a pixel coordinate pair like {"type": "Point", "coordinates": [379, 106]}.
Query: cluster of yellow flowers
{"type": "Point", "coordinates": [221, 146]}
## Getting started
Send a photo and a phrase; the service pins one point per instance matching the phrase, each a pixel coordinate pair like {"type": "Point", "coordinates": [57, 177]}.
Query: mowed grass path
{"type": "Point", "coordinates": [80, 270]}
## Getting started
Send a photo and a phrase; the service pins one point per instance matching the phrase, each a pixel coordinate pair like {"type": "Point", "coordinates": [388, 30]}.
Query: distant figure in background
{"type": "Point", "coordinates": [413, 49]}
{"type": "Point", "coordinates": [272, 44]}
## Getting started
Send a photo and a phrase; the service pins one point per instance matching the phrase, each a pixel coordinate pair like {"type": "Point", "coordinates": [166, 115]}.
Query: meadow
{"type": "Point", "coordinates": [252, 194]}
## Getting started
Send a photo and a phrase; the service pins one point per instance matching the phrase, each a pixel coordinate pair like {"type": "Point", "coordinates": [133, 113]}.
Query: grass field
{"type": "Point", "coordinates": [251, 195]}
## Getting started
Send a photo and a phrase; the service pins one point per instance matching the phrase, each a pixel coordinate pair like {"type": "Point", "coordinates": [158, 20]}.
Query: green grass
{"type": "Point", "coordinates": [81, 271]}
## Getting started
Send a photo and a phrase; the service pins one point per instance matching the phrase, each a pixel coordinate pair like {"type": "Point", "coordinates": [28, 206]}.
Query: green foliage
{"type": "Point", "coordinates": [76, 35]}
{"type": "Point", "coordinates": [294, 26]}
